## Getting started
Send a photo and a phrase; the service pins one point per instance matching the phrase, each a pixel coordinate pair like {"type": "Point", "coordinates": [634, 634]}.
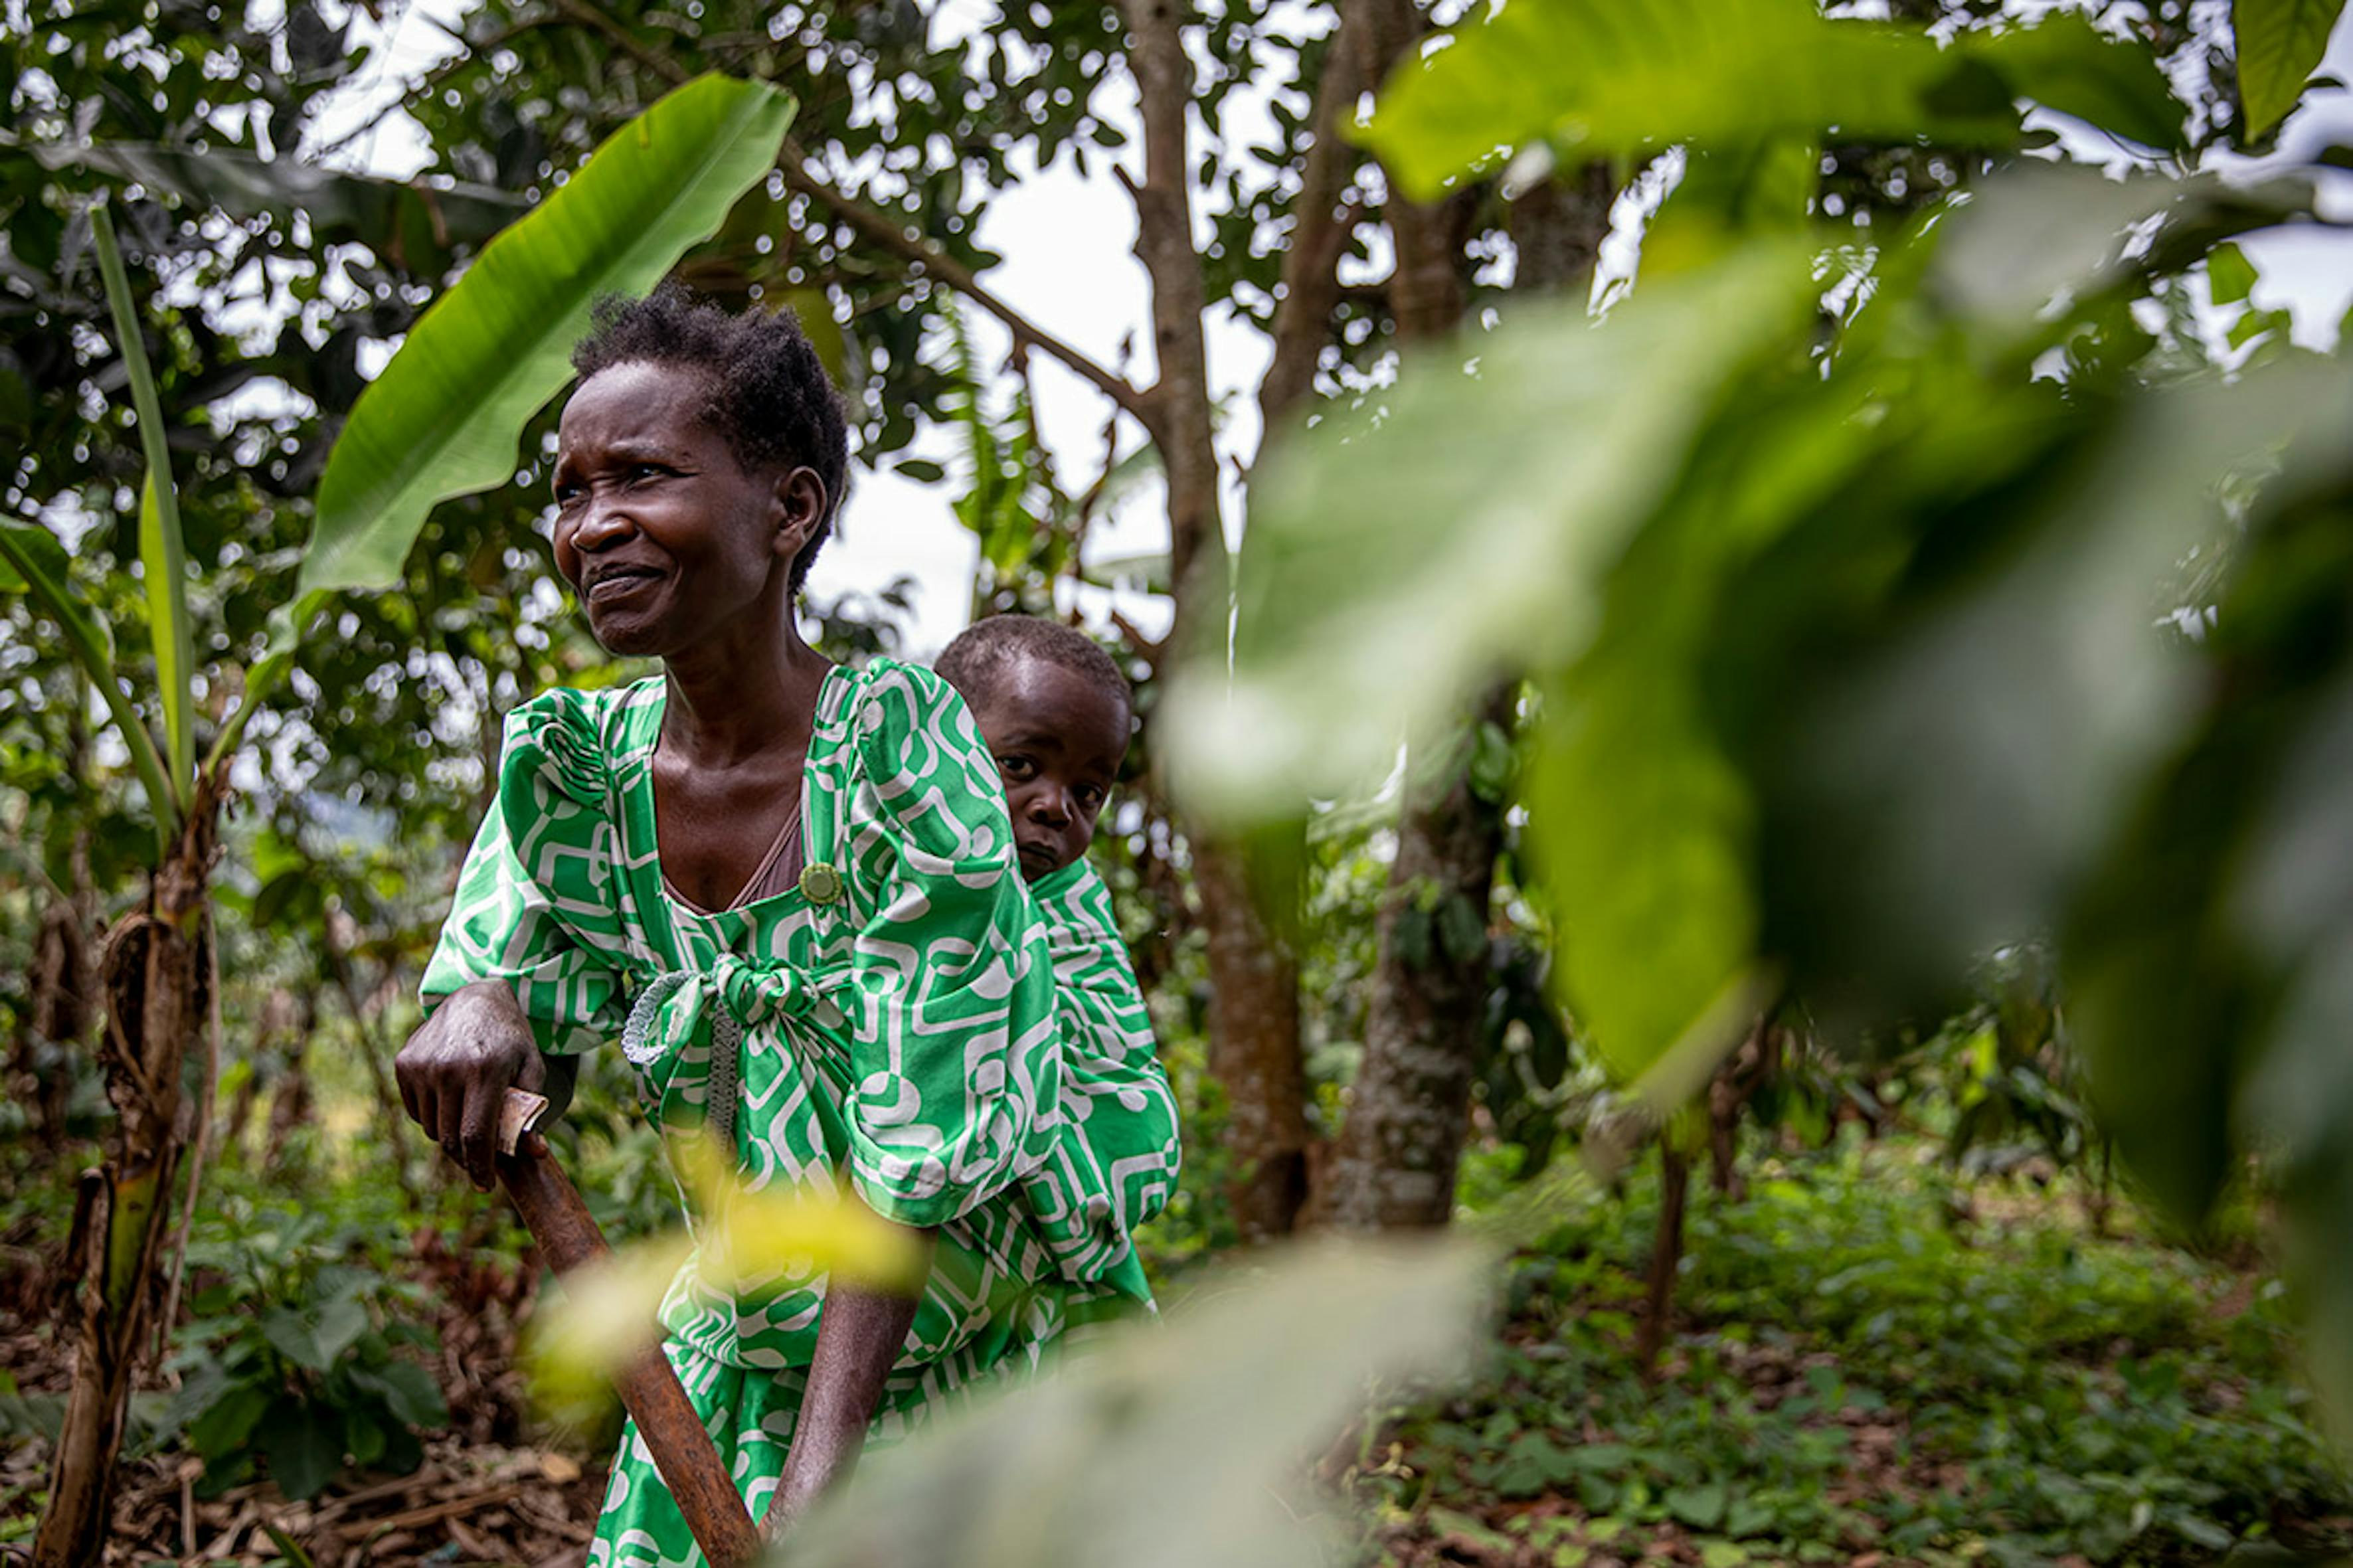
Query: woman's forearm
{"type": "Point", "coordinates": [858, 1339]}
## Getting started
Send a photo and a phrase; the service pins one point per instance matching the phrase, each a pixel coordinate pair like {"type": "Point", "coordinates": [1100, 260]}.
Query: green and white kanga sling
{"type": "Point", "coordinates": [966, 1052]}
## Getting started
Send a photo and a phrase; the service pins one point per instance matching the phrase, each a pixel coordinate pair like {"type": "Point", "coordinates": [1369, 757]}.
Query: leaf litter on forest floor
{"type": "Point", "coordinates": [1860, 1374]}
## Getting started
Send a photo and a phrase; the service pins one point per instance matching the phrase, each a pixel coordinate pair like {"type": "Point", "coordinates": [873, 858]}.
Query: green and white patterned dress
{"type": "Point", "coordinates": [970, 1053]}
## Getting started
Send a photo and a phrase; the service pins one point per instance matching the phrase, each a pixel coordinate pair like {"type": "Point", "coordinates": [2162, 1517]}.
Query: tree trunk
{"type": "Point", "coordinates": [156, 993]}
{"type": "Point", "coordinates": [1320, 225]}
{"type": "Point", "coordinates": [377, 1050]}
{"type": "Point", "coordinates": [1408, 1110]}
{"type": "Point", "coordinates": [1666, 1255]}
{"type": "Point", "coordinates": [51, 1029]}
{"type": "Point", "coordinates": [1254, 978]}
{"type": "Point", "coordinates": [1557, 227]}
{"type": "Point", "coordinates": [1254, 1046]}
{"type": "Point", "coordinates": [1735, 1083]}
{"type": "Point", "coordinates": [289, 1098]}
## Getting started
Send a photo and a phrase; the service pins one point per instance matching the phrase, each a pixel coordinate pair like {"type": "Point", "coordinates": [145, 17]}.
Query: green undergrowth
{"type": "Point", "coordinates": [1857, 1374]}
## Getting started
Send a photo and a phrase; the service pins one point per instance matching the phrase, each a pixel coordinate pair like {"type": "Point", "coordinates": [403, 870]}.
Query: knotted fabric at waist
{"type": "Point", "coordinates": [727, 997]}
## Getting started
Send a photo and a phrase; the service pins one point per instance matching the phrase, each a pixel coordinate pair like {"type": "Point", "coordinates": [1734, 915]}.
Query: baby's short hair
{"type": "Point", "coordinates": [980, 655]}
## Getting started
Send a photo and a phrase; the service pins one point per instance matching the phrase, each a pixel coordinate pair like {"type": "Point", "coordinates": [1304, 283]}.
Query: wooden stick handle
{"type": "Point", "coordinates": [682, 1451]}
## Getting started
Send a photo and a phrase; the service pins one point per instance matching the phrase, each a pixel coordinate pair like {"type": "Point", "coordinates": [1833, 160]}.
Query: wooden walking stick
{"type": "Point", "coordinates": [682, 1451]}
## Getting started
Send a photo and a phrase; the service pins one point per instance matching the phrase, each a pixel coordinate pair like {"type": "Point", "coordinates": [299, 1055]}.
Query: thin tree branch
{"type": "Point", "coordinates": [1426, 294]}
{"type": "Point", "coordinates": [884, 230]}
{"type": "Point", "coordinates": [1320, 225]}
{"type": "Point", "coordinates": [1151, 650]}
{"type": "Point", "coordinates": [1181, 424]}
{"type": "Point", "coordinates": [662, 66]}
{"type": "Point", "coordinates": [889, 232]}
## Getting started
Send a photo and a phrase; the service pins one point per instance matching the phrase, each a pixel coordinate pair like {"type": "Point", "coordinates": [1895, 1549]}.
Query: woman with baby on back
{"type": "Point", "coordinates": [793, 890]}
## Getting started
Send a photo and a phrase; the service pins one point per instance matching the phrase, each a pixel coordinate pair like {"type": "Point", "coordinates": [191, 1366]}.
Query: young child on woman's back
{"type": "Point", "coordinates": [1055, 712]}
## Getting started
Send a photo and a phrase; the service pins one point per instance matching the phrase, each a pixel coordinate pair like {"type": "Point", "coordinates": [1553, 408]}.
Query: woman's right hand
{"type": "Point", "coordinates": [455, 1071]}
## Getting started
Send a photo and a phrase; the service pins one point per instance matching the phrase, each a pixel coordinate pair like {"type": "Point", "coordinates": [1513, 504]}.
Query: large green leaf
{"type": "Point", "coordinates": [2043, 231]}
{"type": "Point", "coordinates": [32, 561]}
{"type": "Point", "coordinates": [1456, 525]}
{"type": "Point", "coordinates": [2281, 43]}
{"type": "Point", "coordinates": [1643, 828]}
{"type": "Point", "coordinates": [2063, 63]}
{"type": "Point", "coordinates": [304, 1447]}
{"type": "Point", "coordinates": [1624, 76]}
{"type": "Point", "coordinates": [2210, 969]}
{"type": "Point", "coordinates": [1169, 1444]}
{"type": "Point", "coordinates": [163, 557]}
{"type": "Point", "coordinates": [443, 418]}
{"type": "Point", "coordinates": [163, 563]}
{"type": "Point", "coordinates": [1956, 748]}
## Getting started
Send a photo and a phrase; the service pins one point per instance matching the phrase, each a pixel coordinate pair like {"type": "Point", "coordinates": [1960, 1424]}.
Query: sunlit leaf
{"type": "Point", "coordinates": [743, 1236]}
{"type": "Point", "coordinates": [1627, 74]}
{"type": "Point", "coordinates": [164, 563]}
{"type": "Point", "coordinates": [443, 418]}
{"type": "Point", "coordinates": [1644, 828]}
{"type": "Point", "coordinates": [2280, 45]}
{"type": "Point", "coordinates": [161, 555]}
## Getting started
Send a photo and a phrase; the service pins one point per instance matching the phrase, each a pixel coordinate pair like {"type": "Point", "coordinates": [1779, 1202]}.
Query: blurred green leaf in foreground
{"type": "Point", "coordinates": [1150, 1443]}
{"type": "Point", "coordinates": [1169, 1445]}
{"type": "Point", "coordinates": [1884, 600]}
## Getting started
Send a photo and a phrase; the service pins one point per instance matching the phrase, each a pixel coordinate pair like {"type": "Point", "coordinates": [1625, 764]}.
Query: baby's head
{"type": "Point", "coordinates": [1055, 711]}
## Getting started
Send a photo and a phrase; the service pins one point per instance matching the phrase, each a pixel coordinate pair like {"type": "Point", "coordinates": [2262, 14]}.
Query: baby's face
{"type": "Point", "coordinates": [1058, 740]}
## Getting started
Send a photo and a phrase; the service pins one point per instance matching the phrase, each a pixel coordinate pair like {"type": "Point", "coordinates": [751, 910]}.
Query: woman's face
{"type": "Point", "coordinates": [664, 535]}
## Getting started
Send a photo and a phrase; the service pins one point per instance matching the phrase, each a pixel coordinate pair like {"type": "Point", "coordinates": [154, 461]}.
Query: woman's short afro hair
{"type": "Point", "coordinates": [769, 395]}
{"type": "Point", "coordinates": [981, 653]}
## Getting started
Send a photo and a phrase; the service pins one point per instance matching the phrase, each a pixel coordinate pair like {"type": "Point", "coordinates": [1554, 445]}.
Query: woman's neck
{"type": "Point", "coordinates": [734, 697]}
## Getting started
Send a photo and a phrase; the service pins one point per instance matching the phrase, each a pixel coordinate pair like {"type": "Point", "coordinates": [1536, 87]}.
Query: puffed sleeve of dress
{"type": "Point", "coordinates": [534, 902]}
{"type": "Point", "coordinates": [956, 1063]}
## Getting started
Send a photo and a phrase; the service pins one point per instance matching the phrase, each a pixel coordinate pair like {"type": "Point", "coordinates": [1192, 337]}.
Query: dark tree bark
{"type": "Point", "coordinates": [289, 1098]}
{"type": "Point", "coordinates": [1666, 1257]}
{"type": "Point", "coordinates": [1408, 1110]}
{"type": "Point", "coordinates": [157, 993]}
{"type": "Point", "coordinates": [63, 981]}
{"type": "Point", "coordinates": [1557, 227]}
{"type": "Point", "coordinates": [1735, 1083]}
{"type": "Point", "coordinates": [1254, 978]}
{"type": "Point", "coordinates": [53, 1026]}
{"type": "Point", "coordinates": [1397, 1151]}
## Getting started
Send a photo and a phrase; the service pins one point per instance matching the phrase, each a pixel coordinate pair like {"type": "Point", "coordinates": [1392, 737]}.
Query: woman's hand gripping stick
{"type": "Point", "coordinates": [673, 1434]}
